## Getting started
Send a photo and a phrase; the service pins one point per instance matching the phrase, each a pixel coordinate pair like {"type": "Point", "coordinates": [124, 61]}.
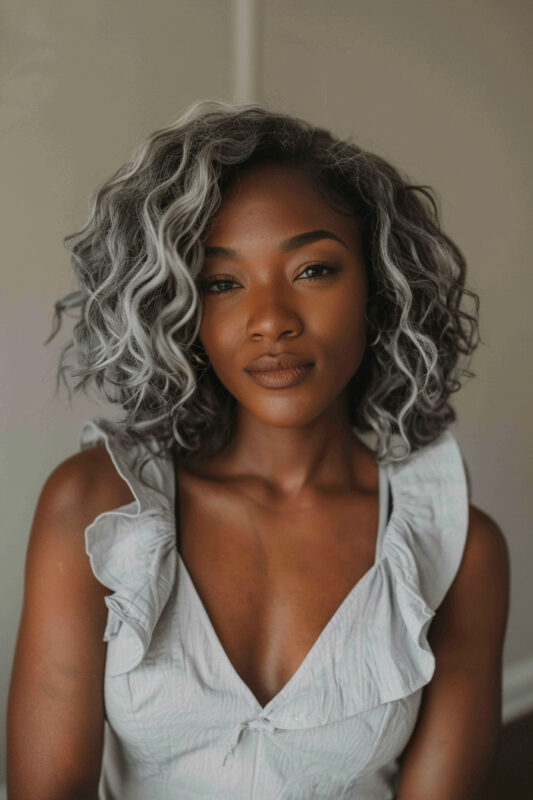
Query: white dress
{"type": "Point", "coordinates": [181, 723]}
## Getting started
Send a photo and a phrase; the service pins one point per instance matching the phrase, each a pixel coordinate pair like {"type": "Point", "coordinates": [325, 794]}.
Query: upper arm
{"type": "Point", "coordinates": [55, 706]}
{"type": "Point", "coordinates": [459, 722]}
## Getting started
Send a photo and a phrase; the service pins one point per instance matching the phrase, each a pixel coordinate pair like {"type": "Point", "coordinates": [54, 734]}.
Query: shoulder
{"type": "Point", "coordinates": [486, 545]}
{"type": "Point", "coordinates": [485, 566]}
{"type": "Point", "coordinates": [77, 490]}
{"type": "Point", "coordinates": [83, 486]}
{"type": "Point", "coordinates": [475, 608]}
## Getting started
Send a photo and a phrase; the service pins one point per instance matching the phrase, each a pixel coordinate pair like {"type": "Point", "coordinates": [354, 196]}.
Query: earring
{"type": "Point", "coordinates": [374, 343]}
{"type": "Point", "coordinates": [199, 360]}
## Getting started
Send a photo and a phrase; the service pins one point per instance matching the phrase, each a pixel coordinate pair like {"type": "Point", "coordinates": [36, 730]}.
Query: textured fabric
{"type": "Point", "coordinates": [181, 723]}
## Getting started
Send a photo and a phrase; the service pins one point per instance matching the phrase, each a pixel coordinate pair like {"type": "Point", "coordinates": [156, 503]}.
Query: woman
{"type": "Point", "coordinates": [258, 603]}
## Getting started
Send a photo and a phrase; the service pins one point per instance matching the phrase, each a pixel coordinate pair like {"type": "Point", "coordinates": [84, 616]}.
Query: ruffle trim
{"type": "Point", "coordinates": [376, 647]}
{"type": "Point", "coordinates": [362, 661]}
{"type": "Point", "coordinates": [367, 660]}
{"type": "Point", "coordinates": [132, 552]}
{"type": "Point", "coordinates": [431, 491]}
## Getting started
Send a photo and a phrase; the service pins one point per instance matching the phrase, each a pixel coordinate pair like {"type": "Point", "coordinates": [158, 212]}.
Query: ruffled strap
{"type": "Point", "coordinates": [430, 489]}
{"type": "Point", "coordinates": [376, 650]}
{"type": "Point", "coordinates": [132, 549]}
{"type": "Point", "coordinates": [155, 488]}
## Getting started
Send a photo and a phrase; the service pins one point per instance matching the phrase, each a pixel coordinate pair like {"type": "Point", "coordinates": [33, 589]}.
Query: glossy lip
{"type": "Point", "coordinates": [281, 379]}
{"type": "Point", "coordinates": [277, 361]}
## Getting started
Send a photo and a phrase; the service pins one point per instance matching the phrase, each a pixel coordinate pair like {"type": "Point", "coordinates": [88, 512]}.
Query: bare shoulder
{"type": "Point", "coordinates": [77, 490]}
{"type": "Point", "coordinates": [83, 486]}
{"type": "Point", "coordinates": [475, 608]}
{"type": "Point", "coordinates": [56, 710]}
{"type": "Point", "coordinates": [486, 560]}
{"type": "Point", "coordinates": [85, 481]}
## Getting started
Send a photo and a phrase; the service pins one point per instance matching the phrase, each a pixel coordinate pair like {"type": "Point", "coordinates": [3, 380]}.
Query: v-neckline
{"type": "Point", "coordinates": [385, 485]}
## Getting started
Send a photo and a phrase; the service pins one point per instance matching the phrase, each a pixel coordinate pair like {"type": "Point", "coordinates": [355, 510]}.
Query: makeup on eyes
{"type": "Point", "coordinates": [331, 268]}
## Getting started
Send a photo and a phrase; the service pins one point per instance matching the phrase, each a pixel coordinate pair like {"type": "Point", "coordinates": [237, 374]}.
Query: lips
{"type": "Point", "coordinates": [281, 379]}
{"type": "Point", "coordinates": [271, 363]}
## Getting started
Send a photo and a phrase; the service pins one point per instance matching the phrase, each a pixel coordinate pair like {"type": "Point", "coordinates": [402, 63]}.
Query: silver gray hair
{"type": "Point", "coordinates": [138, 305]}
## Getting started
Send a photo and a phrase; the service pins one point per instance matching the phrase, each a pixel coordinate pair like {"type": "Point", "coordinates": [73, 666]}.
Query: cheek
{"type": "Point", "coordinates": [222, 340]}
{"type": "Point", "coordinates": [341, 328]}
{"type": "Point", "coordinates": [216, 333]}
{"type": "Point", "coordinates": [335, 322]}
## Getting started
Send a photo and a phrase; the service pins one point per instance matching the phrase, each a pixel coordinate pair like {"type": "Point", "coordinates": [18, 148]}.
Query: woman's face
{"type": "Point", "coordinates": [267, 297]}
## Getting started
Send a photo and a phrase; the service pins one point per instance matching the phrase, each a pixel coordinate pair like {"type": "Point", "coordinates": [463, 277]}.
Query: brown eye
{"type": "Point", "coordinates": [320, 266]}
{"type": "Point", "coordinates": [206, 285]}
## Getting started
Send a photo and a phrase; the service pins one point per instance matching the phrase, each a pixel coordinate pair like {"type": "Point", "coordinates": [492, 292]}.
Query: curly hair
{"type": "Point", "coordinates": [138, 257]}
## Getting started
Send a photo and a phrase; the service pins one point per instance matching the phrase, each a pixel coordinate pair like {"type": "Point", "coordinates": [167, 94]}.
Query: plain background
{"type": "Point", "coordinates": [440, 88]}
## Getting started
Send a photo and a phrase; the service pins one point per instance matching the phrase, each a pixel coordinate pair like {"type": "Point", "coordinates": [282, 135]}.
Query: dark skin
{"type": "Point", "coordinates": [279, 507]}
{"type": "Point", "coordinates": [286, 519]}
{"type": "Point", "coordinates": [296, 438]}
{"type": "Point", "coordinates": [296, 483]}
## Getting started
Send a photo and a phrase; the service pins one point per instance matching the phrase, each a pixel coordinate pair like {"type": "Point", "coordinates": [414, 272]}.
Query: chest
{"type": "Point", "coordinates": [271, 577]}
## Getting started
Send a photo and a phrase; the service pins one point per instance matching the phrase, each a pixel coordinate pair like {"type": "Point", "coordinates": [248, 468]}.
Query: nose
{"type": "Point", "coordinates": [273, 314]}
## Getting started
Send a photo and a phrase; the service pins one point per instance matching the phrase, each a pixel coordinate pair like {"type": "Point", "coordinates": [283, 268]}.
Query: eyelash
{"type": "Point", "coordinates": [332, 269]}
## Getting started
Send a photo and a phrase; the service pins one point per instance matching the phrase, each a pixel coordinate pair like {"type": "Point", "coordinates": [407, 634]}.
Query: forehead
{"type": "Point", "coordinates": [277, 199]}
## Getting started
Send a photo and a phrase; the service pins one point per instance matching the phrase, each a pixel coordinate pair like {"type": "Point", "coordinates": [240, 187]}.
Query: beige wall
{"type": "Point", "coordinates": [439, 88]}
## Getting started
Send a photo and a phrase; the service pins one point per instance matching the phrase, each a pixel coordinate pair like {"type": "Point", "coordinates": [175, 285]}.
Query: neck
{"type": "Point", "coordinates": [296, 461]}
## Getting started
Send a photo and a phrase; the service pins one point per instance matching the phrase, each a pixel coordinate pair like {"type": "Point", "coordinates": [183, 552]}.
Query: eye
{"type": "Point", "coordinates": [331, 269]}
{"type": "Point", "coordinates": [206, 285]}
{"type": "Point", "coordinates": [320, 265]}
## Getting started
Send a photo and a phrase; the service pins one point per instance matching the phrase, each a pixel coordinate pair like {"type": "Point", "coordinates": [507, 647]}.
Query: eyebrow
{"type": "Point", "coordinates": [286, 245]}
